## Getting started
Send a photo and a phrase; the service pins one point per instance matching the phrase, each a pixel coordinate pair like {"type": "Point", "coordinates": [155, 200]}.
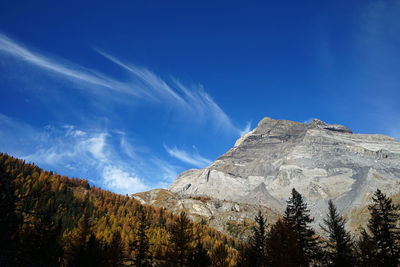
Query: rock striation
{"type": "Point", "coordinates": [322, 161]}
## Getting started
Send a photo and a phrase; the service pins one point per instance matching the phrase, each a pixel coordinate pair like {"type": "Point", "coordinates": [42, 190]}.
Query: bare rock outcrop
{"type": "Point", "coordinates": [321, 161]}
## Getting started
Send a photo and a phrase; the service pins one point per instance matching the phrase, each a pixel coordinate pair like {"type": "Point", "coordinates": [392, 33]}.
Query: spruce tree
{"type": "Point", "coordinates": [297, 217]}
{"type": "Point", "coordinates": [340, 243]}
{"type": "Point", "coordinates": [385, 233]}
{"type": "Point", "coordinates": [258, 241]}
{"type": "Point", "coordinates": [366, 249]}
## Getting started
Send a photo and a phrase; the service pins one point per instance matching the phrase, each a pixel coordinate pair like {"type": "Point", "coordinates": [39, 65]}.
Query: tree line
{"type": "Point", "coordinates": [291, 241]}
{"type": "Point", "coordinates": [52, 220]}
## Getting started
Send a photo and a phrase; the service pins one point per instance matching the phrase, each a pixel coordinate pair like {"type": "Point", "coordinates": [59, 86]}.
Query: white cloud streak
{"type": "Point", "coordinates": [87, 153]}
{"type": "Point", "coordinates": [64, 69]}
{"type": "Point", "coordinates": [154, 84]}
{"type": "Point", "coordinates": [247, 129]}
{"type": "Point", "coordinates": [193, 159]}
{"type": "Point", "coordinates": [192, 101]}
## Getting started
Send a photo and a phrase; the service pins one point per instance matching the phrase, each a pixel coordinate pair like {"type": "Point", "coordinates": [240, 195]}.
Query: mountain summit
{"type": "Point", "coordinates": [322, 161]}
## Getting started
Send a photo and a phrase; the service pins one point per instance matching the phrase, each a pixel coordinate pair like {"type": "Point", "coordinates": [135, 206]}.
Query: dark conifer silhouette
{"type": "Point", "coordinates": [340, 243]}
{"type": "Point", "coordinates": [258, 240]}
{"type": "Point", "coordinates": [282, 246]}
{"type": "Point", "coordinates": [297, 217]}
{"type": "Point", "coordinates": [385, 232]}
{"type": "Point", "coordinates": [366, 249]}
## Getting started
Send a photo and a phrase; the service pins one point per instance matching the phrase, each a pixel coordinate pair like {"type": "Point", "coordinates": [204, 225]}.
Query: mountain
{"type": "Point", "coordinates": [320, 160]}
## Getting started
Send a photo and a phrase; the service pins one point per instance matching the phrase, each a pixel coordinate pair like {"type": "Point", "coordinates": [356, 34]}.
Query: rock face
{"type": "Point", "coordinates": [224, 215]}
{"type": "Point", "coordinates": [321, 161]}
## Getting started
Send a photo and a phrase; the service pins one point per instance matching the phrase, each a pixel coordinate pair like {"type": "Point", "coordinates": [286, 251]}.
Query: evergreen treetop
{"type": "Point", "coordinates": [297, 217]}
{"type": "Point", "coordinates": [340, 243]}
{"type": "Point", "coordinates": [385, 232]}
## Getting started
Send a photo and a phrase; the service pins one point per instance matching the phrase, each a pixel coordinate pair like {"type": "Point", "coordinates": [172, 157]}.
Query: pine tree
{"type": "Point", "coordinates": [298, 219]}
{"type": "Point", "coordinates": [340, 243]}
{"type": "Point", "coordinates": [258, 241]}
{"type": "Point", "coordinates": [180, 237]}
{"type": "Point", "coordinates": [385, 233]}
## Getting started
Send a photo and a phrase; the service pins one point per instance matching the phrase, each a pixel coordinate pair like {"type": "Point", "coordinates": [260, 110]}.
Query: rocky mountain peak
{"type": "Point", "coordinates": [316, 123]}
{"type": "Point", "coordinates": [322, 161]}
{"type": "Point", "coordinates": [286, 129]}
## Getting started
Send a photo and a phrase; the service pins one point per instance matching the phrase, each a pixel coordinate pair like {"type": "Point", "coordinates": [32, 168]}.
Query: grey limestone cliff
{"type": "Point", "coordinates": [321, 161]}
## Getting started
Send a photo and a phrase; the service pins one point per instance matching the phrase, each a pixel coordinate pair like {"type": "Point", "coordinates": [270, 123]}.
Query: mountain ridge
{"type": "Point", "coordinates": [322, 161]}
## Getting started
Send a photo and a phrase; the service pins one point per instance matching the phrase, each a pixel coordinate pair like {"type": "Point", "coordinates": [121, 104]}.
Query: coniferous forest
{"type": "Point", "coordinates": [52, 220]}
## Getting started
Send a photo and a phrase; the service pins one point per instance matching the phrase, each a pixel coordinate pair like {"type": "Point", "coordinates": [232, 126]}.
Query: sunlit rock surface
{"type": "Point", "coordinates": [321, 161]}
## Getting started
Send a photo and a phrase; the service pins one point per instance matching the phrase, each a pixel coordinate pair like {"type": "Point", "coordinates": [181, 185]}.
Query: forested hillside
{"type": "Point", "coordinates": [52, 220]}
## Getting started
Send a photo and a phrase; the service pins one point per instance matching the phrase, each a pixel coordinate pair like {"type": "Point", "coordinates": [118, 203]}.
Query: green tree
{"type": "Point", "coordinates": [366, 249]}
{"type": "Point", "coordinates": [258, 240]}
{"type": "Point", "coordinates": [340, 243]}
{"type": "Point", "coordinates": [297, 217]}
{"type": "Point", "coordinates": [385, 233]}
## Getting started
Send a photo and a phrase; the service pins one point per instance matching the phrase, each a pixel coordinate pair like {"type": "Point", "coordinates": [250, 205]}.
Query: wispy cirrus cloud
{"type": "Point", "coordinates": [191, 158]}
{"type": "Point", "coordinates": [194, 99]}
{"type": "Point", "coordinates": [146, 80]}
{"type": "Point", "coordinates": [190, 102]}
{"type": "Point", "coordinates": [86, 153]}
{"type": "Point", "coordinates": [61, 67]}
{"type": "Point", "coordinates": [246, 129]}
{"type": "Point", "coordinates": [95, 151]}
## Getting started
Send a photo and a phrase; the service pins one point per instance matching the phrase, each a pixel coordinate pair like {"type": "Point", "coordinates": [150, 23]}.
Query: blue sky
{"type": "Point", "coordinates": [131, 94]}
